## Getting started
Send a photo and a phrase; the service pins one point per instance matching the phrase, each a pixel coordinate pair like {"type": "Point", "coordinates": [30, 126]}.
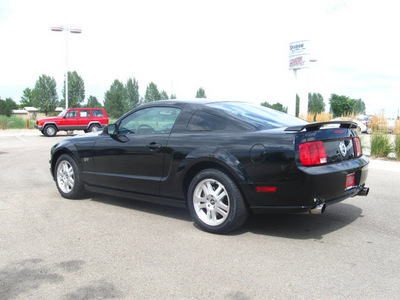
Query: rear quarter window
{"type": "Point", "coordinates": [257, 115]}
{"type": "Point", "coordinates": [203, 121]}
{"type": "Point", "coordinates": [97, 113]}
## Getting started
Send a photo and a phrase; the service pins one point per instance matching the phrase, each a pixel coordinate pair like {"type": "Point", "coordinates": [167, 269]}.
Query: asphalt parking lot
{"type": "Point", "coordinates": [103, 247]}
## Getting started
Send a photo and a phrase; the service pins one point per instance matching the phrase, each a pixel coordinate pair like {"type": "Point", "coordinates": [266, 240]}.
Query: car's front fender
{"type": "Point", "coordinates": [81, 149]}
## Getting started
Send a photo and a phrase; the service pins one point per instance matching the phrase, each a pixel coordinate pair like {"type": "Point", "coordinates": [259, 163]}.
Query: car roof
{"type": "Point", "coordinates": [201, 101]}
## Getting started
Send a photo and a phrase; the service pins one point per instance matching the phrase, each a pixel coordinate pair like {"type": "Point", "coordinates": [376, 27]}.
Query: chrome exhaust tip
{"type": "Point", "coordinates": [318, 210]}
{"type": "Point", "coordinates": [364, 191]}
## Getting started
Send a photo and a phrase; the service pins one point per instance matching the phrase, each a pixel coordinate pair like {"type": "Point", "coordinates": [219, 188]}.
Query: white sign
{"type": "Point", "coordinates": [299, 55]}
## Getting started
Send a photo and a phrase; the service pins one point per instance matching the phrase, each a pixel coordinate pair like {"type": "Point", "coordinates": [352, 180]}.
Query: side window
{"type": "Point", "coordinates": [84, 113]}
{"type": "Point", "coordinates": [97, 113]}
{"type": "Point", "coordinates": [203, 121]}
{"type": "Point", "coordinates": [153, 120]}
{"type": "Point", "coordinates": [72, 114]}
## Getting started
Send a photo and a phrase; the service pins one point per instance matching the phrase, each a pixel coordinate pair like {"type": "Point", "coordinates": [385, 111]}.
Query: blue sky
{"type": "Point", "coordinates": [233, 49]}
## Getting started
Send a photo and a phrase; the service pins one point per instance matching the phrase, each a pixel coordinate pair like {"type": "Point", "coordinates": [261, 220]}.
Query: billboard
{"type": "Point", "coordinates": [299, 55]}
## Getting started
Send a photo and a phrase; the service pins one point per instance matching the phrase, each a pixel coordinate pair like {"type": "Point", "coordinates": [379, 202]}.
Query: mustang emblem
{"type": "Point", "coordinates": [342, 148]}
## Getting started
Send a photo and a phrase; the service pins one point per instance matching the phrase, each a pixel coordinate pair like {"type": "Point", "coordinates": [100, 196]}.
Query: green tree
{"type": "Point", "coordinates": [92, 102]}
{"type": "Point", "coordinates": [45, 94]}
{"type": "Point", "coordinates": [132, 90]}
{"type": "Point", "coordinates": [152, 93]}
{"type": "Point", "coordinates": [76, 90]}
{"type": "Point", "coordinates": [316, 104]}
{"type": "Point", "coordinates": [27, 98]}
{"type": "Point", "coordinates": [341, 105]}
{"type": "Point", "coordinates": [115, 100]}
{"type": "Point", "coordinates": [173, 96]}
{"type": "Point", "coordinates": [6, 106]}
{"type": "Point", "coordinates": [297, 105]}
{"type": "Point", "coordinates": [276, 106]}
{"type": "Point", "coordinates": [201, 93]}
{"type": "Point", "coordinates": [164, 95]}
{"type": "Point", "coordinates": [359, 107]}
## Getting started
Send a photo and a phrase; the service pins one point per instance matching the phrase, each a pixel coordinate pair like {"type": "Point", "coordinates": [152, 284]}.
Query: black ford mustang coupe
{"type": "Point", "coordinates": [223, 160]}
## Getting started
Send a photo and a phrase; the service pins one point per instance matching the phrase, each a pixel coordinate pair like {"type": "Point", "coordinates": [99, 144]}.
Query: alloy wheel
{"type": "Point", "coordinates": [211, 202]}
{"type": "Point", "coordinates": [65, 176]}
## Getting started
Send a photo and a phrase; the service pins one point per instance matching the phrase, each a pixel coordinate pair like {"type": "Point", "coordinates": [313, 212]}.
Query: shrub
{"type": "Point", "coordinates": [321, 117]}
{"type": "Point", "coordinates": [380, 144]}
{"type": "Point", "coordinates": [364, 142]}
{"type": "Point", "coordinates": [379, 123]}
{"type": "Point", "coordinates": [397, 146]}
{"type": "Point", "coordinates": [396, 129]}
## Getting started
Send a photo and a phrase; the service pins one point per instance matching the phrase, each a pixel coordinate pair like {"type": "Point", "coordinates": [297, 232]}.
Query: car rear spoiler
{"type": "Point", "coordinates": [318, 125]}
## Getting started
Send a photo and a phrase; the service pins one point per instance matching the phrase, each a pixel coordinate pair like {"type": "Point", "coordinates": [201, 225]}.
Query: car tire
{"type": "Point", "coordinates": [68, 177]}
{"type": "Point", "coordinates": [215, 202]}
{"type": "Point", "coordinates": [50, 130]}
{"type": "Point", "coordinates": [94, 128]}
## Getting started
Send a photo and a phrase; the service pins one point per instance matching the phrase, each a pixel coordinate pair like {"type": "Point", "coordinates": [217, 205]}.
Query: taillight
{"type": "Point", "coordinates": [312, 154]}
{"type": "Point", "coordinates": [357, 145]}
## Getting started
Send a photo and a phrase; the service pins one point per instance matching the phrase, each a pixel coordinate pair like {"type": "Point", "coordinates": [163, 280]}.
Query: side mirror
{"type": "Point", "coordinates": [110, 129]}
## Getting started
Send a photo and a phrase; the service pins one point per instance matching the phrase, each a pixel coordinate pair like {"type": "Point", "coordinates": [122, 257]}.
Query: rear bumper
{"type": "Point", "coordinates": [306, 208]}
{"type": "Point", "coordinates": [305, 188]}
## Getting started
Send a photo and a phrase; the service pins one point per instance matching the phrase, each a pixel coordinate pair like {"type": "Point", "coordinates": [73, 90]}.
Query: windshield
{"type": "Point", "coordinates": [61, 114]}
{"type": "Point", "coordinates": [258, 115]}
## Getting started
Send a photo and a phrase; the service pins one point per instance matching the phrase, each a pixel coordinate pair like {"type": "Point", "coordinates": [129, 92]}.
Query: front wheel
{"type": "Point", "coordinates": [50, 130]}
{"type": "Point", "coordinates": [68, 178]}
{"type": "Point", "coordinates": [215, 202]}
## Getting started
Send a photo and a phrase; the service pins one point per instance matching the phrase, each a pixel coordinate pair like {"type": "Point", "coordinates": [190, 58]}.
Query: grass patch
{"type": "Point", "coordinates": [380, 144]}
{"type": "Point", "coordinates": [14, 122]}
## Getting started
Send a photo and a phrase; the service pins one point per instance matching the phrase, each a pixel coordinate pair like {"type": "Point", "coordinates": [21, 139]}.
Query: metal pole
{"type": "Point", "coordinates": [303, 95]}
{"type": "Point", "coordinates": [77, 30]}
{"type": "Point", "coordinates": [297, 93]}
{"type": "Point", "coordinates": [66, 72]}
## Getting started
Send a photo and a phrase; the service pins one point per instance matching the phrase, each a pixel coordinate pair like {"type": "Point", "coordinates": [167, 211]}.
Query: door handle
{"type": "Point", "coordinates": [154, 146]}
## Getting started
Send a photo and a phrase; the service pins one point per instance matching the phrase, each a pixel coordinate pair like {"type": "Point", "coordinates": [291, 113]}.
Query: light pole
{"type": "Point", "coordinates": [299, 58]}
{"type": "Point", "coordinates": [75, 30]}
{"type": "Point", "coordinates": [303, 92]}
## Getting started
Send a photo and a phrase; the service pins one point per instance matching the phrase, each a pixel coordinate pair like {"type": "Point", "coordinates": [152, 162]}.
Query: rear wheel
{"type": "Point", "coordinates": [50, 130]}
{"type": "Point", "coordinates": [68, 178]}
{"type": "Point", "coordinates": [215, 202]}
{"type": "Point", "coordinates": [94, 128]}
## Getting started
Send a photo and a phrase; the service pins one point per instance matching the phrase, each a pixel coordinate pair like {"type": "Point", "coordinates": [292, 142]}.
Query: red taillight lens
{"type": "Point", "coordinates": [312, 154]}
{"type": "Point", "coordinates": [357, 145]}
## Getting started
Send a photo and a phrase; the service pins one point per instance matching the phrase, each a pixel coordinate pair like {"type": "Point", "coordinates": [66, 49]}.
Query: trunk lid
{"type": "Point", "coordinates": [339, 140]}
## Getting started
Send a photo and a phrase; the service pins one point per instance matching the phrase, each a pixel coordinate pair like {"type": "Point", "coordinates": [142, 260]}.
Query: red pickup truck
{"type": "Point", "coordinates": [87, 119]}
